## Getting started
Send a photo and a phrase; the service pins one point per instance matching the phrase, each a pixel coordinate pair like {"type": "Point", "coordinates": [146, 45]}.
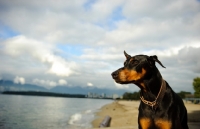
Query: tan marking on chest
{"type": "Point", "coordinates": [145, 123]}
{"type": "Point", "coordinates": [163, 124]}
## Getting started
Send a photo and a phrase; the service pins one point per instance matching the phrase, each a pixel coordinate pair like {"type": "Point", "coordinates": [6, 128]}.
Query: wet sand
{"type": "Point", "coordinates": [124, 114]}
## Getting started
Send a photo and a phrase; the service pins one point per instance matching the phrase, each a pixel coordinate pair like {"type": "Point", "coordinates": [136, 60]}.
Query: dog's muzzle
{"type": "Point", "coordinates": [115, 74]}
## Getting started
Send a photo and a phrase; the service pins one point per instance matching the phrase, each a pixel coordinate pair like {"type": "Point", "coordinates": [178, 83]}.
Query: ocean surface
{"type": "Point", "coordinates": [35, 112]}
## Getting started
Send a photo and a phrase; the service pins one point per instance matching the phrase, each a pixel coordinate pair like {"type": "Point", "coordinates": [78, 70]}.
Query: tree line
{"type": "Point", "coordinates": [136, 95]}
{"type": "Point", "coordinates": [196, 86]}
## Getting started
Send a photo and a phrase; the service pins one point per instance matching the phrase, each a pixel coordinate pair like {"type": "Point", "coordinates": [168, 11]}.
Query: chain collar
{"type": "Point", "coordinates": [159, 97]}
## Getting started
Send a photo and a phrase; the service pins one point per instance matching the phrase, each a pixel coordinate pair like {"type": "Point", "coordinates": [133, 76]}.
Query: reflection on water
{"type": "Point", "coordinates": [31, 112]}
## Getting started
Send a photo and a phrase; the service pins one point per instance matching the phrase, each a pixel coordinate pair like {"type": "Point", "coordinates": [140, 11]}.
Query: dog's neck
{"type": "Point", "coordinates": [152, 85]}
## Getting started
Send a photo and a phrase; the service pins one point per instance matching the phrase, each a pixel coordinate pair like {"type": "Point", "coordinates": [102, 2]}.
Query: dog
{"type": "Point", "coordinates": [160, 107]}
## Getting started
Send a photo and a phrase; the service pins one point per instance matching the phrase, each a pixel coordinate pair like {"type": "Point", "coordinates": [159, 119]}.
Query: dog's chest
{"type": "Point", "coordinates": [158, 123]}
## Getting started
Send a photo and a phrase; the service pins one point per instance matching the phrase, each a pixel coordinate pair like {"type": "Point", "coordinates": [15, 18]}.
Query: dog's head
{"type": "Point", "coordinates": [135, 69]}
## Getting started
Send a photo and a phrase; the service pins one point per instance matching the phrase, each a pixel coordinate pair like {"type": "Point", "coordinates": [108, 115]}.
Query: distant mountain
{"type": "Point", "coordinates": [6, 85]}
{"type": "Point", "coordinates": [85, 90]}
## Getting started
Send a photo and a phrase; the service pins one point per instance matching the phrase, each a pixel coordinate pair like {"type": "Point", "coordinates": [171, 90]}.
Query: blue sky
{"type": "Point", "coordinates": [77, 43]}
{"type": "Point", "coordinates": [7, 32]}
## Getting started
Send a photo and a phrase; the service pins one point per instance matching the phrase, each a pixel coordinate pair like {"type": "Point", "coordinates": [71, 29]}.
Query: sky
{"type": "Point", "coordinates": [81, 42]}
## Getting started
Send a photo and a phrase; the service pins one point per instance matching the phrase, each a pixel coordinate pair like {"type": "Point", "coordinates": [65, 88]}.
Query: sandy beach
{"type": "Point", "coordinates": [124, 115]}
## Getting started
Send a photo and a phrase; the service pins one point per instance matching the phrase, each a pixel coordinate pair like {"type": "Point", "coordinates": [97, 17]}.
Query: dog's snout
{"type": "Point", "coordinates": [115, 74]}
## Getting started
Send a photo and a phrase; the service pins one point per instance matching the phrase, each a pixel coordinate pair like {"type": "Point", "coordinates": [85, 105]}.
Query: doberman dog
{"type": "Point", "coordinates": [160, 106]}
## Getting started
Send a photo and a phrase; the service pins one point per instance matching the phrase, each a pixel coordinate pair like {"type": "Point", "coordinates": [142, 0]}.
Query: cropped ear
{"type": "Point", "coordinates": [153, 59]}
{"type": "Point", "coordinates": [127, 55]}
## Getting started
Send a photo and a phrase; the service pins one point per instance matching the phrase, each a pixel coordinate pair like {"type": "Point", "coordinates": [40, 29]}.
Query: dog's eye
{"type": "Point", "coordinates": [134, 62]}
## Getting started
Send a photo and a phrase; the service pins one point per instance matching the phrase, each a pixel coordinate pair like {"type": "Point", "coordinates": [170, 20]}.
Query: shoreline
{"type": "Point", "coordinates": [122, 113]}
{"type": "Point", "coordinates": [125, 114]}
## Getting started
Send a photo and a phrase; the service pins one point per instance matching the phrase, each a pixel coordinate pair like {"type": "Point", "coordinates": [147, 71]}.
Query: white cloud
{"type": "Point", "coordinates": [173, 50]}
{"type": "Point", "coordinates": [89, 84]}
{"type": "Point", "coordinates": [45, 83]}
{"type": "Point", "coordinates": [19, 80]}
{"type": "Point", "coordinates": [62, 68]}
{"type": "Point", "coordinates": [21, 46]}
{"type": "Point", "coordinates": [62, 82]}
{"type": "Point", "coordinates": [49, 83]}
{"type": "Point", "coordinates": [103, 30]}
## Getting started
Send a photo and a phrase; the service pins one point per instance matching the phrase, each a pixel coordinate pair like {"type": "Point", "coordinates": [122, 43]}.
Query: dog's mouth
{"type": "Point", "coordinates": [122, 82]}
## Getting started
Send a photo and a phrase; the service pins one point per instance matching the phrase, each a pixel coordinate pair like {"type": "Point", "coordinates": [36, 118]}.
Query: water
{"type": "Point", "coordinates": [34, 112]}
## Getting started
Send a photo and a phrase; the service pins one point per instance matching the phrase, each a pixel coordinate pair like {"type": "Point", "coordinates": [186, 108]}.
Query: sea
{"type": "Point", "coordinates": [36, 112]}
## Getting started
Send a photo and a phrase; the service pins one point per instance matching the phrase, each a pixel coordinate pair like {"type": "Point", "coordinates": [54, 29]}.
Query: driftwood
{"type": "Point", "coordinates": [105, 122]}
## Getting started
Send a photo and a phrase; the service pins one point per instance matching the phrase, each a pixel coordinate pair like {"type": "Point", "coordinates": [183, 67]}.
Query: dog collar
{"type": "Point", "coordinates": [159, 97]}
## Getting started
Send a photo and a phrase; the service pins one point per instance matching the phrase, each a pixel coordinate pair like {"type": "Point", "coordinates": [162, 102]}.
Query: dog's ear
{"type": "Point", "coordinates": [153, 59]}
{"type": "Point", "coordinates": [127, 55]}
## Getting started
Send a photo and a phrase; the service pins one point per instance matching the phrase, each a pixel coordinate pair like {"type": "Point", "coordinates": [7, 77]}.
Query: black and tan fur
{"type": "Point", "coordinates": [141, 70]}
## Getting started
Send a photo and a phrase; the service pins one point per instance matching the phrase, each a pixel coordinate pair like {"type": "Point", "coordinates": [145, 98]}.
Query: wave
{"type": "Point", "coordinates": [88, 111]}
{"type": "Point", "coordinates": [75, 118]}
{"type": "Point", "coordinates": [82, 119]}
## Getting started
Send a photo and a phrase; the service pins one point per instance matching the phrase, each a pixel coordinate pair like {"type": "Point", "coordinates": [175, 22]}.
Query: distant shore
{"type": "Point", "coordinates": [40, 93]}
{"type": "Point", "coordinates": [49, 94]}
{"type": "Point", "coordinates": [125, 114]}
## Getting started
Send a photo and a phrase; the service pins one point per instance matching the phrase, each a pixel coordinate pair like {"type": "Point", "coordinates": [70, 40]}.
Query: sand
{"type": "Point", "coordinates": [124, 114]}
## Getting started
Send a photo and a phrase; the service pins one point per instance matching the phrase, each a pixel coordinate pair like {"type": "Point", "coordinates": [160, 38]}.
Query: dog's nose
{"type": "Point", "coordinates": [115, 74]}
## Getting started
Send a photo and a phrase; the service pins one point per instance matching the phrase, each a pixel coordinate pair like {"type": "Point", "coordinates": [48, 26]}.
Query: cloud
{"type": "Point", "coordinates": [49, 83]}
{"type": "Point", "coordinates": [19, 80]}
{"type": "Point", "coordinates": [64, 24]}
{"type": "Point", "coordinates": [89, 84]}
{"type": "Point", "coordinates": [62, 82]}
{"type": "Point", "coordinates": [21, 46]}
{"type": "Point", "coordinates": [85, 40]}
{"type": "Point", "coordinates": [188, 57]}
{"type": "Point", "coordinates": [46, 83]}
